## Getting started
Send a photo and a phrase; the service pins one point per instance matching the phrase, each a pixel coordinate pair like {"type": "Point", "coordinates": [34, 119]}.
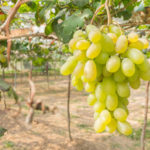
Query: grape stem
{"type": "Point", "coordinates": [68, 107]}
{"type": "Point", "coordinates": [109, 20]}
{"type": "Point", "coordinates": [96, 12]}
{"type": "Point", "coordinates": [106, 5]}
{"type": "Point", "coordinates": [145, 117]}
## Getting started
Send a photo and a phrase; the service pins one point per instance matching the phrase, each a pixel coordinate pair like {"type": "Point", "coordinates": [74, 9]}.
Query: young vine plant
{"type": "Point", "coordinates": [106, 62]}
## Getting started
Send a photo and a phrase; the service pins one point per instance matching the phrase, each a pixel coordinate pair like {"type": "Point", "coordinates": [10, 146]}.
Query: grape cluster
{"type": "Point", "coordinates": [106, 63]}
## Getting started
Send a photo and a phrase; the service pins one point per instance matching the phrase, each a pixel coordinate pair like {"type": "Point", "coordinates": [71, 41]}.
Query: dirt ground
{"type": "Point", "coordinates": [49, 131]}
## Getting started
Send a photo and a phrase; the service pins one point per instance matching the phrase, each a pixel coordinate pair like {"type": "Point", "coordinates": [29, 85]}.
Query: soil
{"type": "Point", "coordinates": [49, 131]}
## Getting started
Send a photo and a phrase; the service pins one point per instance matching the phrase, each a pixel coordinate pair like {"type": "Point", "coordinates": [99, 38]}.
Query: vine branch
{"type": "Point", "coordinates": [108, 12]}
{"type": "Point", "coordinates": [145, 117]}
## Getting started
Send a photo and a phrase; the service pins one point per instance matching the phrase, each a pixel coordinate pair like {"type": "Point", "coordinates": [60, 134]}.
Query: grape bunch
{"type": "Point", "coordinates": [106, 63]}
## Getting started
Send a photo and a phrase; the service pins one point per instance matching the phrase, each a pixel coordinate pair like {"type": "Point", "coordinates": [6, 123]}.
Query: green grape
{"type": "Point", "coordinates": [82, 44]}
{"type": "Point", "coordinates": [104, 29]}
{"type": "Point", "coordinates": [99, 126]}
{"type": "Point", "coordinates": [69, 66]}
{"type": "Point", "coordinates": [109, 85]}
{"type": "Point", "coordinates": [91, 99]}
{"type": "Point", "coordinates": [135, 55]}
{"type": "Point", "coordinates": [79, 86]}
{"type": "Point", "coordinates": [72, 43]}
{"type": "Point", "coordinates": [116, 30]}
{"type": "Point", "coordinates": [2, 58]}
{"type": "Point", "coordinates": [107, 44]}
{"type": "Point", "coordinates": [120, 114]}
{"type": "Point", "coordinates": [112, 126]}
{"type": "Point", "coordinates": [124, 128]}
{"type": "Point", "coordinates": [96, 115]}
{"type": "Point", "coordinates": [90, 71]}
{"type": "Point", "coordinates": [105, 116]}
{"type": "Point", "coordinates": [133, 37]}
{"type": "Point", "coordinates": [74, 80]}
{"type": "Point", "coordinates": [145, 66]}
{"type": "Point", "coordinates": [78, 34]}
{"type": "Point", "coordinates": [135, 84]}
{"type": "Point", "coordinates": [113, 64]}
{"type": "Point", "coordinates": [124, 101]}
{"type": "Point", "coordinates": [138, 45]}
{"type": "Point", "coordinates": [145, 43]}
{"type": "Point", "coordinates": [145, 75]}
{"type": "Point", "coordinates": [99, 106]}
{"type": "Point", "coordinates": [135, 76]}
{"type": "Point", "coordinates": [106, 73]}
{"type": "Point", "coordinates": [113, 37]}
{"type": "Point", "coordinates": [79, 69]}
{"type": "Point", "coordinates": [95, 36]}
{"type": "Point", "coordinates": [99, 71]}
{"type": "Point", "coordinates": [128, 67]}
{"type": "Point", "coordinates": [123, 106]}
{"type": "Point", "coordinates": [83, 78]}
{"type": "Point", "coordinates": [111, 102]}
{"type": "Point", "coordinates": [80, 55]}
{"type": "Point", "coordinates": [93, 51]}
{"type": "Point", "coordinates": [121, 44]}
{"type": "Point", "coordinates": [99, 93]}
{"type": "Point", "coordinates": [102, 58]}
{"type": "Point", "coordinates": [123, 89]}
{"type": "Point", "coordinates": [119, 76]}
{"type": "Point", "coordinates": [90, 86]}
{"type": "Point", "coordinates": [90, 28]}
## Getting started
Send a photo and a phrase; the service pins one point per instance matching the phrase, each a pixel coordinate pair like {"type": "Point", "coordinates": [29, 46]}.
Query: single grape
{"type": "Point", "coordinates": [133, 37]}
{"type": "Point", "coordinates": [93, 51]}
{"type": "Point", "coordinates": [79, 86]}
{"type": "Point", "coordinates": [105, 116]}
{"type": "Point", "coordinates": [123, 89]}
{"type": "Point", "coordinates": [145, 66]}
{"type": "Point", "coordinates": [100, 93]}
{"type": "Point", "coordinates": [69, 66]}
{"type": "Point", "coordinates": [79, 69]}
{"type": "Point", "coordinates": [82, 44]}
{"type": "Point", "coordinates": [105, 72]}
{"type": "Point", "coordinates": [72, 43]}
{"type": "Point", "coordinates": [113, 64]}
{"type": "Point", "coordinates": [109, 85]}
{"type": "Point", "coordinates": [91, 99]}
{"type": "Point", "coordinates": [124, 128]}
{"type": "Point", "coordinates": [135, 76]}
{"type": "Point", "coordinates": [90, 86]}
{"type": "Point", "coordinates": [99, 106]}
{"type": "Point", "coordinates": [121, 44]}
{"type": "Point", "coordinates": [116, 30]}
{"type": "Point", "coordinates": [107, 44]}
{"type": "Point", "coordinates": [145, 42]}
{"type": "Point", "coordinates": [138, 45]}
{"type": "Point", "coordinates": [102, 58]}
{"type": "Point", "coordinates": [95, 36]}
{"type": "Point", "coordinates": [90, 71]}
{"type": "Point", "coordinates": [113, 37]}
{"type": "Point", "coordinates": [145, 75]}
{"type": "Point", "coordinates": [120, 114]}
{"type": "Point", "coordinates": [78, 34]}
{"type": "Point", "coordinates": [119, 76]}
{"type": "Point", "coordinates": [90, 28]}
{"type": "Point", "coordinates": [112, 126]}
{"type": "Point", "coordinates": [99, 126]}
{"type": "Point", "coordinates": [80, 55]}
{"type": "Point", "coordinates": [135, 55]}
{"type": "Point", "coordinates": [128, 67]}
{"type": "Point", "coordinates": [111, 102]}
{"type": "Point", "coordinates": [135, 84]}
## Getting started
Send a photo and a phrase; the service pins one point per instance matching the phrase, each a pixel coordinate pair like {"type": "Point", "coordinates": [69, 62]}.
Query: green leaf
{"type": "Point", "coordinates": [80, 3]}
{"type": "Point", "coordinates": [4, 86]}
{"type": "Point", "coordinates": [48, 29]}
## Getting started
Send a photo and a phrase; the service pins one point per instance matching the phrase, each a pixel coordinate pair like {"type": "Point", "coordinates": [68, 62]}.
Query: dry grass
{"type": "Point", "coordinates": [49, 132]}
